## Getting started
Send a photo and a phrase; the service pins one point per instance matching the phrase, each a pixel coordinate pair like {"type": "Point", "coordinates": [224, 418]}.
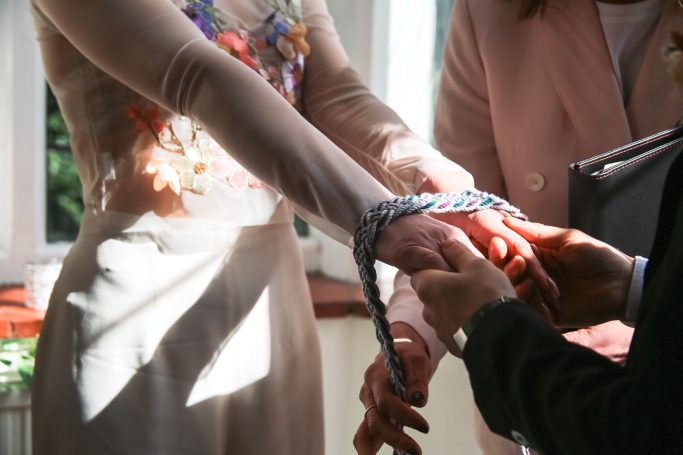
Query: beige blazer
{"type": "Point", "coordinates": [521, 99]}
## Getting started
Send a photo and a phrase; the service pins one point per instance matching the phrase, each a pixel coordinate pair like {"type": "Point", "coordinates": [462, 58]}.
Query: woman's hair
{"type": "Point", "coordinates": [528, 8]}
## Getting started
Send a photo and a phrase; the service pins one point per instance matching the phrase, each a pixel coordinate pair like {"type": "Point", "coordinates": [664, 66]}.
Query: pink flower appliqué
{"type": "Point", "coordinates": [165, 175]}
{"type": "Point", "coordinates": [238, 47]}
{"type": "Point", "coordinates": [223, 166]}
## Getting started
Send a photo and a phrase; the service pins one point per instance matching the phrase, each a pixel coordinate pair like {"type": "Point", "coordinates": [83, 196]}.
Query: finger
{"type": "Point", "coordinates": [481, 250]}
{"type": "Point", "coordinates": [427, 282]}
{"type": "Point", "coordinates": [417, 367]}
{"type": "Point", "coordinates": [382, 429]}
{"type": "Point", "coordinates": [498, 252]}
{"type": "Point", "coordinates": [520, 246]}
{"type": "Point", "coordinates": [515, 269]}
{"type": "Point", "coordinates": [458, 255]}
{"type": "Point", "coordinates": [543, 310]}
{"type": "Point", "coordinates": [526, 290]}
{"type": "Point", "coordinates": [391, 406]}
{"type": "Point", "coordinates": [537, 233]}
{"type": "Point", "coordinates": [452, 346]}
{"type": "Point", "coordinates": [477, 248]}
{"type": "Point", "coordinates": [378, 390]}
{"type": "Point", "coordinates": [364, 441]}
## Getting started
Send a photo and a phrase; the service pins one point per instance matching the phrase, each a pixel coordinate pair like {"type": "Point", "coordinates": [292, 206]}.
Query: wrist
{"type": "Point", "coordinates": [470, 325]}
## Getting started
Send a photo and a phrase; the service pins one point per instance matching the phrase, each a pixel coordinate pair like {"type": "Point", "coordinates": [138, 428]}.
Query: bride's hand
{"type": "Point", "coordinates": [386, 412]}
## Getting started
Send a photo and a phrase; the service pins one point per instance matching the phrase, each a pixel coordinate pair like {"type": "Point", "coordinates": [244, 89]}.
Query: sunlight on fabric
{"type": "Point", "coordinates": [243, 359]}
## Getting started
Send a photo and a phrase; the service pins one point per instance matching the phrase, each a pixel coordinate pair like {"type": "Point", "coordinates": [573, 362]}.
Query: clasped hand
{"type": "Point", "coordinates": [592, 278]}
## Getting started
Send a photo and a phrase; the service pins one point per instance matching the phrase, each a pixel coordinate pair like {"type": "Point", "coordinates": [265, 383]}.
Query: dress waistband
{"type": "Point", "coordinates": [175, 235]}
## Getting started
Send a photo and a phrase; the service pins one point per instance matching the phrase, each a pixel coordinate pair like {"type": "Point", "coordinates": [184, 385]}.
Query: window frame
{"type": "Point", "coordinates": [22, 235]}
{"type": "Point", "coordinates": [6, 136]}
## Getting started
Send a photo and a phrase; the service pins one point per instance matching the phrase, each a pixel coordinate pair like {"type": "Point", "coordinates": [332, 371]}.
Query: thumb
{"type": "Point", "coordinates": [457, 254]}
{"type": "Point", "coordinates": [417, 368]}
{"type": "Point", "coordinates": [537, 233]}
{"type": "Point", "coordinates": [498, 251]}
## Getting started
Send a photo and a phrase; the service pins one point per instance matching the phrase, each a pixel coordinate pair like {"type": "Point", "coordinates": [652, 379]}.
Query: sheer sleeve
{"type": "Point", "coordinates": [342, 107]}
{"type": "Point", "coordinates": [151, 47]}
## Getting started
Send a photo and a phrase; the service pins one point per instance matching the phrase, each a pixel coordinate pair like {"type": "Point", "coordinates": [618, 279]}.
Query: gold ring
{"type": "Point", "coordinates": [365, 414]}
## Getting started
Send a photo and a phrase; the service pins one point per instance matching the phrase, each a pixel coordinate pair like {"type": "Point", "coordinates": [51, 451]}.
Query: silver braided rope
{"type": "Point", "coordinates": [373, 221]}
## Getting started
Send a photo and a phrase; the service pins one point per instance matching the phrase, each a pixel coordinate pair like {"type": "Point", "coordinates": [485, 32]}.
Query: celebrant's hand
{"type": "Point", "coordinates": [592, 276]}
{"type": "Point", "coordinates": [515, 269]}
{"type": "Point", "coordinates": [385, 411]}
{"type": "Point", "coordinates": [413, 243]}
{"type": "Point", "coordinates": [451, 298]}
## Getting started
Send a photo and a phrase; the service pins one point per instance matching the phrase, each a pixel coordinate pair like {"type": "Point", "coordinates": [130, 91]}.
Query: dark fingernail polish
{"type": "Point", "coordinates": [409, 452]}
{"type": "Point", "coordinates": [424, 430]}
{"type": "Point", "coordinates": [417, 398]}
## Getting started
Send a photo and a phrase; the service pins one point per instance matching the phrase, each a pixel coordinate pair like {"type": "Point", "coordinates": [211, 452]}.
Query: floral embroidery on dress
{"type": "Point", "coordinates": [185, 158]}
{"type": "Point", "coordinates": [283, 30]}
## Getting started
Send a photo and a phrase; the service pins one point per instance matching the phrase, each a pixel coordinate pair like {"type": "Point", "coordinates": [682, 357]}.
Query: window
{"type": "Point", "coordinates": [401, 68]}
{"type": "Point", "coordinates": [63, 195]}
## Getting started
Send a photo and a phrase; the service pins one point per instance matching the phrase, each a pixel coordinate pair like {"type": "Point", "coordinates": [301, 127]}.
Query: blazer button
{"type": "Point", "coordinates": [535, 181]}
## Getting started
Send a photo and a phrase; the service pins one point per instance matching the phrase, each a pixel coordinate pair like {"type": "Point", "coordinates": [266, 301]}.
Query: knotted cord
{"type": "Point", "coordinates": [377, 218]}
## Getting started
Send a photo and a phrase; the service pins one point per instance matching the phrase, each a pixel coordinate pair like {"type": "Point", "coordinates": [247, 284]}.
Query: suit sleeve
{"type": "Point", "coordinates": [530, 384]}
{"type": "Point", "coordinates": [152, 47]}
{"type": "Point", "coordinates": [463, 128]}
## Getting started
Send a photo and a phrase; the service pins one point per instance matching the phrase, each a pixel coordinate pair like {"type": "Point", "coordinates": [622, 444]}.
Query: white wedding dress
{"type": "Point", "coordinates": [182, 322]}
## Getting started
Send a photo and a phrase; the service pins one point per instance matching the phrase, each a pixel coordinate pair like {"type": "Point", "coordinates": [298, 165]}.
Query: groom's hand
{"type": "Point", "coordinates": [386, 411]}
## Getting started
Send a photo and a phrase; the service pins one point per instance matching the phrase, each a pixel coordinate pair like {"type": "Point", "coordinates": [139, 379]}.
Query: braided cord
{"type": "Point", "coordinates": [378, 217]}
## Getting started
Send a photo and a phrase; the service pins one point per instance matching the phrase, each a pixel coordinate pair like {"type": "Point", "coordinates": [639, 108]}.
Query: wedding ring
{"type": "Point", "coordinates": [365, 414]}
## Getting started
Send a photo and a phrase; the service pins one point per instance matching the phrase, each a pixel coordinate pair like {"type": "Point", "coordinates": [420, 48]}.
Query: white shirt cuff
{"type": "Point", "coordinates": [635, 291]}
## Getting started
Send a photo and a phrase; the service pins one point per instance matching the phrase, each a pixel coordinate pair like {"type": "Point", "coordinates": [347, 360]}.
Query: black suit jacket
{"type": "Point", "coordinates": [533, 386]}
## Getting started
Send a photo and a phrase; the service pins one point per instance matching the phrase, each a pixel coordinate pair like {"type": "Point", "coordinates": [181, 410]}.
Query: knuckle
{"type": "Point", "coordinates": [383, 406]}
{"type": "Point", "coordinates": [370, 374]}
